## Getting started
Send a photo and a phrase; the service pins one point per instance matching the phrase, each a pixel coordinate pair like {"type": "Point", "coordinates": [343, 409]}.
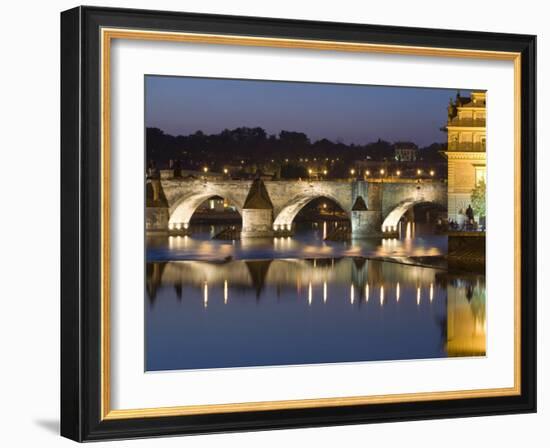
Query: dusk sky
{"type": "Point", "coordinates": [338, 112]}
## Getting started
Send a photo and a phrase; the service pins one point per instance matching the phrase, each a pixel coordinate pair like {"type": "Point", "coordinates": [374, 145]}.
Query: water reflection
{"type": "Point", "coordinates": [205, 314]}
{"type": "Point", "coordinates": [415, 241]}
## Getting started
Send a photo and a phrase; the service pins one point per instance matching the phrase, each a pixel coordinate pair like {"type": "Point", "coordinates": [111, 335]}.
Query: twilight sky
{"type": "Point", "coordinates": [348, 113]}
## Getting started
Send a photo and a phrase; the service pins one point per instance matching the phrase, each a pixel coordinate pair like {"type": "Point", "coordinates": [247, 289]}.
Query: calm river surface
{"type": "Point", "coordinates": [301, 300]}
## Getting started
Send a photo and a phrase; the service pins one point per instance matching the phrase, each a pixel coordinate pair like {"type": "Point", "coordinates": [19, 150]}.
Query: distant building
{"type": "Point", "coordinates": [405, 151]}
{"type": "Point", "coordinates": [466, 127]}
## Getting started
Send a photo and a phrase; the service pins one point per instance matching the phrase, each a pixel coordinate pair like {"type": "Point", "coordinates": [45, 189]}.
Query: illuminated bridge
{"type": "Point", "coordinates": [269, 207]}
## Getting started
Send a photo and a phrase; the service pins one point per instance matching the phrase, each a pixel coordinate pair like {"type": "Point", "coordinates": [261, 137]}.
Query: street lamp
{"type": "Point", "coordinates": [225, 171]}
{"type": "Point", "coordinates": [352, 172]}
{"type": "Point", "coordinates": [205, 169]}
{"type": "Point", "coordinates": [398, 173]}
{"type": "Point", "coordinates": [432, 172]}
{"type": "Point", "coordinates": [382, 172]}
{"type": "Point", "coordinates": [367, 173]}
{"type": "Point", "coordinates": [419, 172]}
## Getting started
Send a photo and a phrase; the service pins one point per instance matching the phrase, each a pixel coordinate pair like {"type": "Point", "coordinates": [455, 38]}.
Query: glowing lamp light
{"type": "Point", "coordinates": [398, 173]}
{"type": "Point", "coordinates": [382, 171]}
{"type": "Point", "coordinates": [205, 169]}
{"type": "Point", "coordinates": [432, 172]}
{"type": "Point", "coordinates": [225, 171]}
{"type": "Point", "coordinates": [352, 171]}
{"type": "Point", "coordinates": [367, 173]}
{"type": "Point", "coordinates": [419, 172]}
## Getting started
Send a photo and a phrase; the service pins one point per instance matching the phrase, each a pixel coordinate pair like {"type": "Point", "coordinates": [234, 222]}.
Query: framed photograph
{"type": "Point", "coordinates": [273, 223]}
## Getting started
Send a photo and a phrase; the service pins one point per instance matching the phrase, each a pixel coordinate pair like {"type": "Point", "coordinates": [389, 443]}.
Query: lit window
{"type": "Point", "coordinates": [480, 175]}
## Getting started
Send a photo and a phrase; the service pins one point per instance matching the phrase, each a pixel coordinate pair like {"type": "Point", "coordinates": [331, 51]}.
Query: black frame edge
{"type": "Point", "coordinates": [80, 215]}
{"type": "Point", "coordinates": [71, 382]}
{"type": "Point", "coordinates": [529, 223]}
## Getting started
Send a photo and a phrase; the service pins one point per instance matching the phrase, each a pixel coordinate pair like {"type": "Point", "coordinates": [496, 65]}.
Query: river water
{"type": "Point", "coordinates": [301, 300]}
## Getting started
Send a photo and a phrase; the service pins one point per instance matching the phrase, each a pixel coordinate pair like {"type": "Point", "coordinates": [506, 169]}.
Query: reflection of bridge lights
{"type": "Point", "coordinates": [431, 291]}
{"type": "Point", "coordinates": [382, 295]}
{"type": "Point", "coordinates": [367, 292]}
{"type": "Point", "coordinates": [351, 294]}
{"type": "Point", "coordinates": [418, 295]}
{"type": "Point", "coordinates": [205, 294]}
{"type": "Point", "coordinates": [324, 292]}
{"type": "Point", "coordinates": [309, 294]}
{"type": "Point", "coordinates": [397, 292]}
{"type": "Point", "coordinates": [225, 291]}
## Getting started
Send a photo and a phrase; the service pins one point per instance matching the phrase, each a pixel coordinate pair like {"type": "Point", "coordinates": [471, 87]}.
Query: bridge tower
{"type": "Point", "coordinates": [366, 217]}
{"type": "Point", "coordinates": [257, 212]}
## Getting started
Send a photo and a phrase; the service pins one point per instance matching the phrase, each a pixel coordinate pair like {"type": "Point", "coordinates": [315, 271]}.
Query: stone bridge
{"type": "Point", "coordinates": [269, 207]}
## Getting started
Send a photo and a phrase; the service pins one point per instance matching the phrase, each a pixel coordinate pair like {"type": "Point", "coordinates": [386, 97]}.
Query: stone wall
{"type": "Point", "coordinates": [466, 251]}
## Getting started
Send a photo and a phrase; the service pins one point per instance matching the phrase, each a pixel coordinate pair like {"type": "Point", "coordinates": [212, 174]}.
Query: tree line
{"type": "Point", "coordinates": [254, 145]}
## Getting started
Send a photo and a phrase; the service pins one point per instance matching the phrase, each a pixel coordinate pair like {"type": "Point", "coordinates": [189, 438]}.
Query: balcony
{"type": "Point", "coordinates": [468, 122]}
{"type": "Point", "coordinates": [466, 146]}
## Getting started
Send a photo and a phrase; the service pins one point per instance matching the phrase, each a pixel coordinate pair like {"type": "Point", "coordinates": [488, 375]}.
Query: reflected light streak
{"type": "Point", "coordinates": [351, 294]}
{"type": "Point", "coordinates": [367, 292]}
{"type": "Point", "coordinates": [431, 292]}
{"type": "Point", "coordinates": [324, 292]}
{"type": "Point", "coordinates": [225, 291]}
{"type": "Point", "coordinates": [418, 295]}
{"type": "Point", "coordinates": [309, 294]}
{"type": "Point", "coordinates": [397, 292]}
{"type": "Point", "coordinates": [382, 295]}
{"type": "Point", "coordinates": [205, 294]}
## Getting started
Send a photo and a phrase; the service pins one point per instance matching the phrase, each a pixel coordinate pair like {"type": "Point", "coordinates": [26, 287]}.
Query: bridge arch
{"type": "Point", "coordinates": [285, 217]}
{"type": "Point", "coordinates": [394, 216]}
{"type": "Point", "coordinates": [182, 211]}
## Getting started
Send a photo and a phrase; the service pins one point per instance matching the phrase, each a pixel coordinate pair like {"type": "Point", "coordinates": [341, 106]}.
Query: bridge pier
{"type": "Point", "coordinates": [366, 224]}
{"type": "Point", "coordinates": [157, 214]}
{"type": "Point", "coordinates": [257, 212]}
{"type": "Point", "coordinates": [257, 223]}
{"type": "Point", "coordinates": [366, 221]}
